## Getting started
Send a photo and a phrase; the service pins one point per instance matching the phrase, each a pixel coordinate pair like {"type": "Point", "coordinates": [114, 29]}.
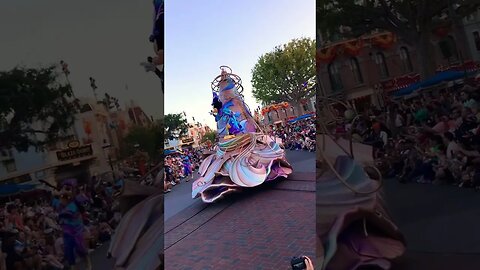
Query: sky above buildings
{"type": "Point", "coordinates": [104, 39]}
{"type": "Point", "coordinates": [201, 36]}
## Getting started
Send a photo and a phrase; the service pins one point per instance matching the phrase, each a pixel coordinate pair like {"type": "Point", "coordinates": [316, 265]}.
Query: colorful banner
{"type": "Point", "coordinates": [400, 82]}
{"type": "Point", "coordinates": [468, 66]}
{"type": "Point", "coordinates": [274, 107]}
{"type": "Point", "coordinates": [354, 47]}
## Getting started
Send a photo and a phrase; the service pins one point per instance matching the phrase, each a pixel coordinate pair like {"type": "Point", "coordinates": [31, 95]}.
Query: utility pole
{"type": "Point", "coordinates": [66, 71]}
{"type": "Point", "coordinates": [94, 87]}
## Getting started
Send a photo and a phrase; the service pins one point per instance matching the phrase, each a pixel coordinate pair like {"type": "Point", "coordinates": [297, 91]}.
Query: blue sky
{"type": "Point", "coordinates": [201, 36]}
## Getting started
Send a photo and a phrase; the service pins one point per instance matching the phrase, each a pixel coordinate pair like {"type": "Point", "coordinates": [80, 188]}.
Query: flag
{"type": "Point", "coordinates": [92, 83]}
{"type": "Point", "coordinates": [64, 67]}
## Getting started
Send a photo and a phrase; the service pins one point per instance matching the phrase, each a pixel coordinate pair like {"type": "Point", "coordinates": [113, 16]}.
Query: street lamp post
{"type": "Point", "coordinates": [106, 149]}
{"type": "Point", "coordinates": [66, 71]}
{"type": "Point", "coordinates": [94, 87]}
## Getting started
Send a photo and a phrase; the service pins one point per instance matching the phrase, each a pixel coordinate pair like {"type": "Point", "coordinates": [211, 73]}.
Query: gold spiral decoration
{"type": "Point", "coordinates": [323, 121]}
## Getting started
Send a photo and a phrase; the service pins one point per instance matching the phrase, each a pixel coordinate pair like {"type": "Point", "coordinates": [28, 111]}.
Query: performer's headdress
{"type": "Point", "coordinates": [226, 81]}
{"type": "Point", "coordinates": [72, 182]}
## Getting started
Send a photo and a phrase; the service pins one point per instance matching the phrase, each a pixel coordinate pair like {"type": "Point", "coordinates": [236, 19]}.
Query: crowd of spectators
{"type": "Point", "coordinates": [179, 166]}
{"type": "Point", "coordinates": [31, 232]}
{"type": "Point", "coordinates": [299, 135]}
{"type": "Point", "coordinates": [431, 138]}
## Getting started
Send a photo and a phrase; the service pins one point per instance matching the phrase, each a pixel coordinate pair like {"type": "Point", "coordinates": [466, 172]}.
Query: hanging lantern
{"type": "Point", "coordinates": [353, 47]}
{"type": "Point", "coordinates": [384, 41]}
{"type": "Point", "coordinates": [327, 54]}
{"type": "Point", "coordinates": [442, 31]}
{"type": "Point", "coordinates": [122, 124]}
{"type": "Point", "coordinates": [87, 127]}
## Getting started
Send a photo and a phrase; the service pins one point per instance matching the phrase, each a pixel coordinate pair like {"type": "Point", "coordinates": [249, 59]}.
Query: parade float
{"type": "Point", "coordinates": [354, 228]}
{"type": "Point", "coordinates": [245, 156]}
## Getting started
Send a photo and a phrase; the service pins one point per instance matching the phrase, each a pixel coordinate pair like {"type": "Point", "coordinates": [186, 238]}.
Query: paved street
{"type": "Point", "coordinates": [440, 224]}
{"type": "Point", "coordinates": [181, 195]}
{"type": "Point", "coordinates": [99, 259]}
{"type": "Point", "coordinates": [260, 228]}
{"type": "Point", "coordinates": [179, 198]}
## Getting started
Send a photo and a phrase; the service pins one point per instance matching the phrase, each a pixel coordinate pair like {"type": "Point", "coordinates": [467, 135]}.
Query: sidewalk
{"type": "Point", "coordinates": [261, 228]}
{"type": "Point", "coordinates": [179, 198]}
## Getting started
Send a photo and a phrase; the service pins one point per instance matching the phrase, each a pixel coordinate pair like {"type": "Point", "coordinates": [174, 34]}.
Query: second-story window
{"type": "Point", "coordinates": [335, 77]}
{"type": "Point", "coordinates": [406, 61]}
{"type": "Point", "coordinates": [382, 65]}
{"type": "Point", "coordinates": [357, 72]}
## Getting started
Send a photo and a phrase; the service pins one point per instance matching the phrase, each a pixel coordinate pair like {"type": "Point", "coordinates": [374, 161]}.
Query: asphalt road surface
{"type": "Point", "coordinates": [181, 195]}
{"type": "Point", "coordinates": [440, 223]}
{"type": "Point", "coordinates": [99, 259]}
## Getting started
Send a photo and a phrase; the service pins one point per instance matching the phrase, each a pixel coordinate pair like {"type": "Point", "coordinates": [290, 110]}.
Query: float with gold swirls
{"type": "Point", "coordinates": [245, 156]}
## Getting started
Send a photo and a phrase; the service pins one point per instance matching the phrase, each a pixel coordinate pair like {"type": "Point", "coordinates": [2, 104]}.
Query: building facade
{"type": "Point", "coordinates": [472, 30]}
{"type": "Point", "coordinates": [137, 116]}
{"type": "Point", "coordinates": [90, 148]}
{"type": "Point", "coordinates": [278, 114]}
{"type": "Point", "coordinates": [368, 70]}
{"type": "Point", "coordinates": [193, 138]}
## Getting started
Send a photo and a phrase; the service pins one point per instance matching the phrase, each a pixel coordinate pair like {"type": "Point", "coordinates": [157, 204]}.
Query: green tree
{"type": "Point", "coordinates": [413, 21]}
{"type": "Point", "coordinates": [35, 108]}
{"type": "Point", "coordinates": [285, 74]}
{"type": "Point", "coordinates": [145, 139]}
{"type": "Point", "coordinates": [210, 135]}
{"type": "Point", "coordinates": [175, 124]}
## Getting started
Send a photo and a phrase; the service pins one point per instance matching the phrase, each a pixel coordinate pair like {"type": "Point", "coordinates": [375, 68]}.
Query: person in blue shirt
{"type": "Point", "coordinates": [71, 221]}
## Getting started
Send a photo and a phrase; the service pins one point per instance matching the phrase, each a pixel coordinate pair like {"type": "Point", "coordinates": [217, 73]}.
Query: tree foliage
{"type": "Point", "coordinates": [413, 21]}
{"type": "Point", "coordinates": [146, 139]}
{"type": "Point", "coordinates": [209, 136]}
{"type": "Point", "coordinates": [285, 74]}
{"type": "Point", "coordinates": [35, 108]}
{"type": "Point", "coordinates": [175, 124]}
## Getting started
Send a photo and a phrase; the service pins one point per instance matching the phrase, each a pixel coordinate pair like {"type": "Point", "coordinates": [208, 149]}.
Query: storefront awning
{"type": "Point", "coordinates": [305, 116]}
{"type": "Point", "coordinates": [13, 189]}
{"type": "Point", "coordinates": [445, 76]}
